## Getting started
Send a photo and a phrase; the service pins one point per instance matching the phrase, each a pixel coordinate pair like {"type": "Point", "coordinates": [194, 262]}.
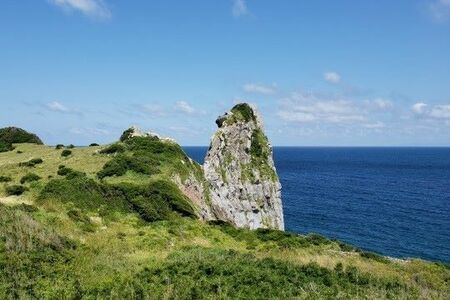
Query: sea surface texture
{"type": "Point", "coordinates": [395, 201]}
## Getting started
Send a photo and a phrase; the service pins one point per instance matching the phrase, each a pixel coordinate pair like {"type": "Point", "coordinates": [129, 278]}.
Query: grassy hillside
{"type": "Point", "coordinates": [107, 222]}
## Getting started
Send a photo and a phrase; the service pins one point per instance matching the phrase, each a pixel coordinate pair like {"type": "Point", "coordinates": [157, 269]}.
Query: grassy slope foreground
{"type": "Point", "coordinates": [106, 222]}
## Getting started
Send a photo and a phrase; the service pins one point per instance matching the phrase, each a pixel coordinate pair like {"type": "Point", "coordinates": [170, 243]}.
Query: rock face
{"type": "Point", "coordinates": [245, 189]}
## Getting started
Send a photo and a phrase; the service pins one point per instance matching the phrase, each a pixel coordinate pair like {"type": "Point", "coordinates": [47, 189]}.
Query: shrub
{"type": "Point", "coordinates": [119, 165]}
{"type": "Point", "coordinates": [71, 146]}
{"type": "Point", "coordinates": [19, 152]}
{"type": "Point", "coordinates": [69, 173]}
{"type": "Point", "coordinates": [347, 248]}
{"type": "Point", "coordinates": [85, 193]}
{"type": "Point", "coordinates": [59, 146]}
{"type": "Point", "coordinates": [66, 153]}
{"type": "Point", "coordinates": [31, 163]}
{"type": "Point", "coordinates": [126, 134]}
{"type": "Point", "coordinates": [27, 208]}
{"type": "Point", "coordinates": [114, 148]}
{"type": "Point", "coordinates": [156, 201]}
{"type": "Point", "coordinates": [15, 190]}
{"type": "Point", "coordinates": [244, 112]}
{"type": "Point", "coordinates": [374, 256]}
{"type": "Point", "coordinates": [29, 178]}
{"type": "Point", "coordinates": [201, 273]}
{"type": "Point", "coordinates": [5, 147]}
{"type": "Point", "coordinates": [317, 239]}
{"type": "Point", "coordinates": [5, 179]}
{"type": "Point", "coordinates": [281, 238]}
{"type": "Point", "coordinates": [94, 145]}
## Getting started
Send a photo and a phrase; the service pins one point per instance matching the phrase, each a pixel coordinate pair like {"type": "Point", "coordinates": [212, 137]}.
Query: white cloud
{"type": "Point", "coordinates": [439, 10]}
{"type": "Point", "coordinates": [332, 77]}
{"type": "Point", "coordinates": [441, 112]}
{"type": "Point", "coordinates": [92, 8]}
{"type": "Point", "coordinates": [184, 107]}
{"type": "Point", "coordinates": [57, 106]}
{"type": "Point", "coordinates": [309, 108]}
{"type": "Point", "coordinates": [419, 108]}
{"type": "Point", "coordinates": [239, 8]}
{"type": "Point", "coordinates": [258, 88]}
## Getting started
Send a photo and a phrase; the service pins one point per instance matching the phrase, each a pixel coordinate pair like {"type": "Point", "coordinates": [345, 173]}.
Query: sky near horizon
{"type": "Point", "coordinates": [322, 73]}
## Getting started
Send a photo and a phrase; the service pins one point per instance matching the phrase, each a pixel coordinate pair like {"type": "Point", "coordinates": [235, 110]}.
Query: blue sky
{"type": "Point", "coordinates": [322, 73]}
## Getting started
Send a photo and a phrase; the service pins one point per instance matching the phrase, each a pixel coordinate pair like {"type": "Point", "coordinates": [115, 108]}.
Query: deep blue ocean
{"type": "Point", "coordinates": [394, 201]}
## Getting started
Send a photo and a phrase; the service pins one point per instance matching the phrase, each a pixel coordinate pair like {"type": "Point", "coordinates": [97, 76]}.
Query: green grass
{"type": "Point", "coordinates": [136, 236]}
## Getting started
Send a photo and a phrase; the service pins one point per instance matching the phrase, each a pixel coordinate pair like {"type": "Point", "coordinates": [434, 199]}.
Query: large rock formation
{"type": "Point", "coordinates": [244, 185]}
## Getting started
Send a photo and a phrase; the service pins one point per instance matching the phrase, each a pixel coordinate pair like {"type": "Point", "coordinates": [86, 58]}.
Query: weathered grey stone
{"type": "Point", "coordinates": [245, 189]}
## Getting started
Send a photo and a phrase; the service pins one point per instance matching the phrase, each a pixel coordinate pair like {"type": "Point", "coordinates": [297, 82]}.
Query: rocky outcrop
{"type": "Point", "coordinates": [238, 182]}
{"type": "Point", "coordinates": [245, 189]}
{"type": "Point", "coordinates": [134, 131]}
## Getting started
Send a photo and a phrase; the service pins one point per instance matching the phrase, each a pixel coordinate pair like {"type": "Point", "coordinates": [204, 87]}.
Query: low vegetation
{"type": "Point", "coordinates": [241, 113]}
{"type": "Point", "coordinates": [66, 153]}
{"type": "Point", "coordinates": [5, 179]}
{"type": "Point", "coordinates": [15, 190]}
{"type": "Point", "coordinates": [31, 163]}
{"type": "Point", "coordinates": [114, 225]}
{"type": "Point", "coordinates": [30, 177]}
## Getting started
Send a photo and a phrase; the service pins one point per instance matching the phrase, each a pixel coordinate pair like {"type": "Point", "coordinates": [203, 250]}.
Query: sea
{"type": "Point", "coordinates": [393, 201]}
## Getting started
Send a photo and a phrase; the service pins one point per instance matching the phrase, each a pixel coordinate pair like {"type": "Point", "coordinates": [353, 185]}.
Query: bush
{"type": "Point", "coordinates": [346, 247]}
{"type": "Point", "coordinates": [71, 146]}
{"type": "Point", "coordinates": [114, 148]}
{"type": "Point", "coordinates": [157, 201]}
{"type": "Point", "coordinates": [29, 178]}
{"type": "Point", "coordinates": [119, 165]}
{"type": "Point", "coordinates": [15, 190]}
{"type": "Point", "coordinates": [317, 239]}
{"type": "Point", "coordinates": [59, 146]}
{"type": "Point", "coordinates": [374, 256]}
{"type": "Point", "coordinates": [68, 172]}
{"type": "Point", "coordinates": [31, 163]}
{"type": "Point", "coordinates": [94, 145]}
{"type": "Point", "coordinates": [66, 153]}
{"type": "Point", "coordinates": [244, 112]}
{"type": "Point", "coordinates": [201, 273]}
{"type": "Point", "coordinates": [126, 134]}
{"type": "Point", "coordinates": [5, 147]}
{"type": "Point", "coordinates": [5, 179]}
{"type": "Point", "coordinates": [19, 152]}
